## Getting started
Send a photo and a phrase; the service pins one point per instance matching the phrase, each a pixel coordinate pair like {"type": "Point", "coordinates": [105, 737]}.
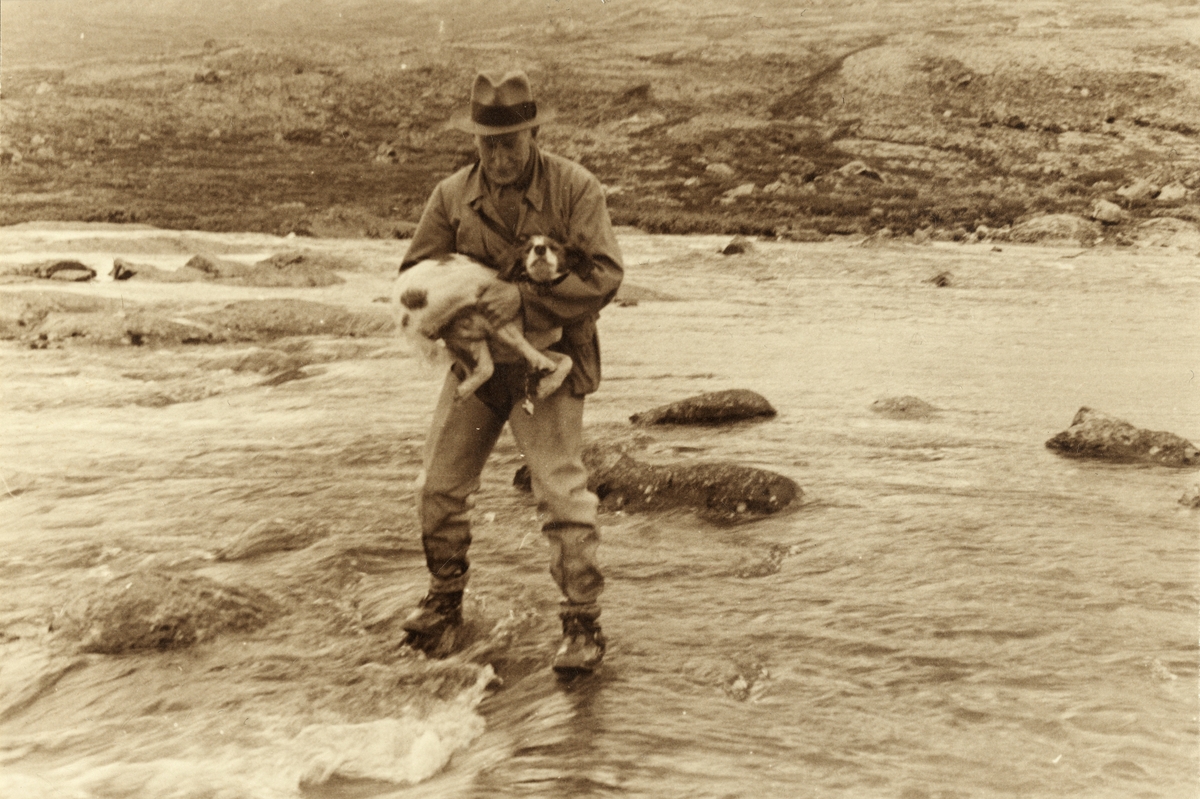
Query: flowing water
{"type": "Point", "coordinates": [953, 610]}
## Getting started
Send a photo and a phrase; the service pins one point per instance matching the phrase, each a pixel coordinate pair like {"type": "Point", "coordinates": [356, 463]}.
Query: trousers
{"type": "Point", "coordinates": [462, 436]}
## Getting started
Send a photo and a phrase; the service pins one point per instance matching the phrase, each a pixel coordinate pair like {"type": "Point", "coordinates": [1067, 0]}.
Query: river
{"type": "Point", "coordinates": [952, 611]}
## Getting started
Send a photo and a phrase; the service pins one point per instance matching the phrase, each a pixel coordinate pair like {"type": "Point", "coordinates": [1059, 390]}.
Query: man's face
{"type": "Point", "coordinates": [504, 157]}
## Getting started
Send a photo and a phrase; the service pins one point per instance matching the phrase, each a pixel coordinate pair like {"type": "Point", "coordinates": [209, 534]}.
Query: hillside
{"type": "Point", "coordinates": [751, 116]}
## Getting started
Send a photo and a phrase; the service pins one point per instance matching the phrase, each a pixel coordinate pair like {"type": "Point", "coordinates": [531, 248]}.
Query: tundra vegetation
{"type": "Point", "coordinates": [769, 117]}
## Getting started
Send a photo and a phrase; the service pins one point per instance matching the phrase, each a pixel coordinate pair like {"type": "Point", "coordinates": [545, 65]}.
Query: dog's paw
{"type": "Point", "coordinates": [549, 382]}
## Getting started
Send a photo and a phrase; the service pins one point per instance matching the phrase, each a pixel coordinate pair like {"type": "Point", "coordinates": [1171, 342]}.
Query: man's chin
{"type": "Point", "coordinates": [502, 178]}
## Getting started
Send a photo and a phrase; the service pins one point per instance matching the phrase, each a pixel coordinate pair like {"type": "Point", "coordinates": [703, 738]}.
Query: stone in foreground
{"type": "Point", "coordinates": [721, 491]}
{"type": "Point", "coordinates": [1093, 434]}
{"type": "Point", "coordinates": [150, 611]}
{"type": "Point", "coordinates": [716, 407]}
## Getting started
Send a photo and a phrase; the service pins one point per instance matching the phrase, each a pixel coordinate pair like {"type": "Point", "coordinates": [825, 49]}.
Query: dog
{"type": "Point", "coordinates": [436, 300]}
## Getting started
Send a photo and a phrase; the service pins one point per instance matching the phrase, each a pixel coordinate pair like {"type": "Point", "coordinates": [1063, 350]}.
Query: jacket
{"type": "Point", "coordinates": [563, 201]}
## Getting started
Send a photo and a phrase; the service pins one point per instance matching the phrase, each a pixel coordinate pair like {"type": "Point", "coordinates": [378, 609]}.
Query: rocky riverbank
{"type": "Point", "coordinates": [1020, 122]}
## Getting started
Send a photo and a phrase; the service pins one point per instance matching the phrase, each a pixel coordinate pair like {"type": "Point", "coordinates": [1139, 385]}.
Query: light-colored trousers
{"type": "Point", "coordinates": [462, 435]}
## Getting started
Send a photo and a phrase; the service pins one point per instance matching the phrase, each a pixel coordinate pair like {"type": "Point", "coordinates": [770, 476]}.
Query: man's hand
{"type": "Point", "coordinates": [500, 303]}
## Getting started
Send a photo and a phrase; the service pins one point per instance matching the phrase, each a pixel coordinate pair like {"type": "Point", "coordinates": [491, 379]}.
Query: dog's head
{"type": "Point", "coordinates": [546, 262]}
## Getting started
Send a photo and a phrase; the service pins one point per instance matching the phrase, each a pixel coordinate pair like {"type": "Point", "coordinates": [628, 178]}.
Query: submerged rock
{"type": "Point", "coordinates": [1093, 434]}
{"type": "Point", "coordinates": [1191, 497]}
{"type": "Point", "coordinates": [65, 271]}
{"type": "Point", "coordinates": [716, 407]}
{"type": "Point", "coordinates": [259, 320]}
{"type": "Point", "coordinates": [272, 535]}
{"type": "Point", "coordinates": [737, 246]}
{"type": "Point", "coordinates": [1050, 228]}
{"type": "Point", "coordinates": [300, 269]}
{"type": "Point", "coordinates": [907, 407]}
{"type": "Point", "coordinates": [723, 492]}
{"type": "Point", "coordinates": [632, 294]}
{"type": "Point", "coordinates": [52, 318]}
{"type": "Point", "coordinates": [147, 610]}
{"type": "Point", "coordinates": [127, 270]}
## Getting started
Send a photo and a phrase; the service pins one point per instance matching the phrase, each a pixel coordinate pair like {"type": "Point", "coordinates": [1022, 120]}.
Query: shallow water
{"type": "Point", "coordinates": [953, 611]}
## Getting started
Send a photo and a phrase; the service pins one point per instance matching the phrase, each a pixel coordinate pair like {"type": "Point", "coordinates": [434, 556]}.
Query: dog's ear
{"type": "Point", "coordinates": [515, 270]}
{"type": "Point", "coordinates": [579, 262]}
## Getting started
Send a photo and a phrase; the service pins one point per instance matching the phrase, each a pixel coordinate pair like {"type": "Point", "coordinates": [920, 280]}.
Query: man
{"type": "Point", "coordinates": [484, 210]}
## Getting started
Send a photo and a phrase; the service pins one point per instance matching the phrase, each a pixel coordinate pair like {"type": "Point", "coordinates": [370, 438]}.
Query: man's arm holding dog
{"type": "Point", "coordinates": [590, 230]}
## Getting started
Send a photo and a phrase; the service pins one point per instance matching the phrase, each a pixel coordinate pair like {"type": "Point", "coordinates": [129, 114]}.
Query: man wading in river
{"type": "Point", "coordinates": [484, 211]}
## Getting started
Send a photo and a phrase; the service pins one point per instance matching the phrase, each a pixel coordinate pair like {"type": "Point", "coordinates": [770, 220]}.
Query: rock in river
{"type": "Point", "coordinates": [723, 492]}
{"type": "Point", "coordinates": [906, 407]}
{"type": "Point", "coordinates": [1093, 434]}
{"type": "Point", "coordinates": [147, 610]}
{"type": "Point", "coordinates": [716, 407]}
{"type": "Point", "coordinates": [272, 535]}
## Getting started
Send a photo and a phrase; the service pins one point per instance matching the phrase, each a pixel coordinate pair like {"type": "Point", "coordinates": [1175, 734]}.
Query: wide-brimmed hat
{"type": "Point", "coordinates": [500, 104]}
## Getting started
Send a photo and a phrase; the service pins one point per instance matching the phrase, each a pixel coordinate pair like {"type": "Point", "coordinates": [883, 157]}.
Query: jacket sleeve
{"type": "Point", "coordinates": [590, 229]}
{"type": "Point", "coordinates": [435, 234]}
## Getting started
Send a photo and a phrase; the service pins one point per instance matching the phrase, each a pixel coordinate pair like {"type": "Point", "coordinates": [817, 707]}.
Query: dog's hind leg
{"type": "Point", "coordinates": [484, 367]}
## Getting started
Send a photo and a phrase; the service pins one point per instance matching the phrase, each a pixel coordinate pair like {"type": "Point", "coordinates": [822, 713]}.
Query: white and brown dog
{"type": "Point", "coordinates": [437, 300]}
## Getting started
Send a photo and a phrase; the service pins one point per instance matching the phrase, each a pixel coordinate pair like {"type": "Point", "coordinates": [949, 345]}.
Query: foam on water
{"type": "Point", "coordinates": [953, 611]}
{"type": "Point", "coordinates": [272, 763]}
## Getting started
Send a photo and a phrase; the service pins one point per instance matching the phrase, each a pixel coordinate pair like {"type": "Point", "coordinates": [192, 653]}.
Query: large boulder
{"type": "Point", "coordinates": [722, 492]}
{"type": "Point", "coordinates": [147, 610]}
{"type": "Point", "coordinates": [1093, 434]}
{"type": "Point", "coordinates": [715, 407]}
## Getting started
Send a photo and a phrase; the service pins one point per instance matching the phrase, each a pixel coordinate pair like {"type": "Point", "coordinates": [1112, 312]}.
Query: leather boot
{"type": "Point", "coordinates": [433, 625]}
{"type": "Point", "coordinates": [582, 647]}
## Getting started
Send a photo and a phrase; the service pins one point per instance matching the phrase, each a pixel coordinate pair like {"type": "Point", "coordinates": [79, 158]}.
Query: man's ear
{"type": "Point", "coordinates": [579, 262]}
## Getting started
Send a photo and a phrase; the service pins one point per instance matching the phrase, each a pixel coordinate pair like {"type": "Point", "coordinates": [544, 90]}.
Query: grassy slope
{"type": "Point", "coordinates": [324, 116]}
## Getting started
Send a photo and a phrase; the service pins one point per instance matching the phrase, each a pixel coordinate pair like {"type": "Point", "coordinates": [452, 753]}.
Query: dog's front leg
{"type": "Point", "coordinates": [556, 365]}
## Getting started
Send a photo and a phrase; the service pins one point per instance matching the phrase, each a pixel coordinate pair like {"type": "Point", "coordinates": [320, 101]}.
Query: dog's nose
{"type": "Point", "coordinates": [539, 249]}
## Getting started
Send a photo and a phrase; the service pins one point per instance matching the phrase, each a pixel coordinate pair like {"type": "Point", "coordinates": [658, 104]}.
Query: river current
{"type": "Point", "coordinates": [951, 611]}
